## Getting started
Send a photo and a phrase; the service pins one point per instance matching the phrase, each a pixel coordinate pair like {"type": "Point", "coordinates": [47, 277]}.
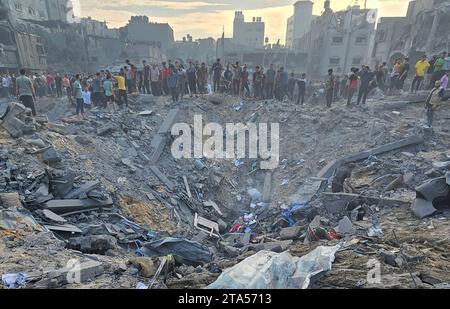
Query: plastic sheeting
{"type": "Point", "coordinates": [269, 270]}
{"type": "Point", "coordinates": [185, 251]}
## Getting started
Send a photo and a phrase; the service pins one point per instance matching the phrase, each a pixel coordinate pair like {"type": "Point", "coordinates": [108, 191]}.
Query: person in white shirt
{"type": "Point", "coordinates": [87, 98]}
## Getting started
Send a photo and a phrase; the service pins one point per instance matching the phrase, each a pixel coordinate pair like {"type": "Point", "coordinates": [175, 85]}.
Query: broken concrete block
{"type": "Point", "coordinates": [67, 206]}
{"type": "Point", "coordinates": [76, 273]}
{"type": "Point", "coordinates": [82, 191]}
{"type": "Point", "coordinates": [51, 156]}
{"type": "Point", "coordinates": [8, 200]}
{"type": "Point", "coordinates": [96, 244]}
{"type": "Point", "coordinates": [345, 227]}
{"type": "Point", "coordinates": [51, 216]}
{"type": "Point", "coordinates": [444, 164]}
{"type": "Point", "coordinates": [69, 228]}
{"type": "Point", "coordinates": [83, 140]}
{"type": "Point", "coordinates": [166, 126]}
{"type": "Point", "coordinates": [292, 232]}
{"type": "Point", "coordinates": [106, 129]}
{"type": "Point", "coordinates": [422, 208]}
{"type": "Point", "coordinates": [36, 142]}
{"type": "Point", "coordinates": [10, 122]}
{"type": "Point", "coordinates": [396, 183]}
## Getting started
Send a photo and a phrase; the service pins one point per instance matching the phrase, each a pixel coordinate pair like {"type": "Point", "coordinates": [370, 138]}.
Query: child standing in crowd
{"type": "Point", "coordinates": [87, 98]}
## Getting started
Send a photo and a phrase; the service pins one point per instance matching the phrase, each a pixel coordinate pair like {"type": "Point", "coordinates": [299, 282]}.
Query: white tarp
{"type": "Point", "coordinates": [270, 270]}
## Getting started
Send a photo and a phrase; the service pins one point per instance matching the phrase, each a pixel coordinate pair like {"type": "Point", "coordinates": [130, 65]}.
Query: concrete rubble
{"type": "Point", "coordinates": [106, 196]}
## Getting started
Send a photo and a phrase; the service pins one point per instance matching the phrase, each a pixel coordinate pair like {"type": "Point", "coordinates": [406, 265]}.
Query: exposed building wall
{"type": "Point", "coordinates": [248, 33]}
{"type": "Point", "coordinates": [35, 10]}
{"type": "Point", "coordinates": [139, 29]}
{"type": "Point", "coordinates": [57, 10]}
{"type": "Point", "coordinates": [389, 30]}
{"type": "Point", "coordinates": [339, 40]}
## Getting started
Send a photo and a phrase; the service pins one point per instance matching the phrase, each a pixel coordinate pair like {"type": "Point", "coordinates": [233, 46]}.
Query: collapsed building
{"type": "Point", "coordinates": [339, 40]}
{"type": "Point", "coordinates": [424, 30]}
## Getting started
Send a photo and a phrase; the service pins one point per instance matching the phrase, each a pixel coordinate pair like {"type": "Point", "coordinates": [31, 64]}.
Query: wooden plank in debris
{"type": "Point", "coordinates": [162, 177]}
{"type": "Point", "coordinates": [169, 121]}
{"type": "Point", "coordinates": [212, 204]}
{"type": "Point", "coordinates": [186, 184]}
{"type": "Point", "coordinates": [266, 196]}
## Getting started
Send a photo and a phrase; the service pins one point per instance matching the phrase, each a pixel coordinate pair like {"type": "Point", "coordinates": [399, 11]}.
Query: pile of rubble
{"type": "Point", "coordinates": [104, 194]}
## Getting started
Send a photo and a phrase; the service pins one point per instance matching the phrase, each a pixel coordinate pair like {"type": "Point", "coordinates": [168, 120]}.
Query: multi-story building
{"type": "Point", "coordinates": [140, 30]}
{"type": "Point", "coordinates": [20, 48]}
{"type": "Point", "coordinates": [299, 23]}
{"type": "Point", "coordinates": [339, 40]}
{"type": "Point", "coordinates": [59, 10]}
{"type": "Point", "coordinates": [388, 39]}
{"type": "Point", "coordinates": [424, 30]}
{"type": "Point", "coordinates": [248, 33]}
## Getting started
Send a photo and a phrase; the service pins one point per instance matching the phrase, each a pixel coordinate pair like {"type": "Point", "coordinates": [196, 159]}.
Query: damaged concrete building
{"type": "Point", "coordinates": [146, 40]}
{"type": "Point", "coordinates": [203, 50]}
{"type": "Point", "coordinates": [339, 40]}
{"type": "Point", "coordinates": [424, 30]}
{"type": "Point", "coordinates": [18, 47]}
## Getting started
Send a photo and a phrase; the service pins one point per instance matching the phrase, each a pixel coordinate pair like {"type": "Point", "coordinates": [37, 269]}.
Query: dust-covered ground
{"type": "Point", "coordinates": [407, 253]}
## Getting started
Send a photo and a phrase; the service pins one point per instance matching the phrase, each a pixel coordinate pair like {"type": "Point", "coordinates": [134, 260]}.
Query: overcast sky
{"type": "Point", "coordinates": [204, 18]}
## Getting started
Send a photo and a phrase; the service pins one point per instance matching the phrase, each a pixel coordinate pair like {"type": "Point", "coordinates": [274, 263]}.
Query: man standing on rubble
{"type": "Point", "coordinates": [25, 91]}
{"type": "Point", "coordinates": [237, 75]}
{"type": "Point", "coordinates": [270, 81]}
{"type": "Point", "coordinates": [432, 103]}
{"type": "Point", "coordinates": [257, 83]}
{"type": "Point", "coordinates": [367, 77]}
{"type": "Point", "coordinates": [421, 67]}
{"type": "Point", "coordinates": [78, 94]}
{"type": "Point", "coordinates": [202, 75]}
{"type": "Point", "coordinates": [121, 89]}
{"type": "Point", "coordinates": [97, 90]}
{"type": "Point", "coordinates": [192, 79]}
{"type": "Point", "coordinates": [217, 74]}
{"type": "Point", "coordinates": [58, 83]}
{"type": "Point", "coordinates": [329, 87]}
{"type": "Point", "coordinates": [301, 89]}
{"type": "Point", "coordinates": [404, 73]}
{"type": "Point", "coordinates": [352, 85]}
{"type": "Point", "coordinates": [146, 77]}
{"type": "Point", "coordinates": [439, 68]}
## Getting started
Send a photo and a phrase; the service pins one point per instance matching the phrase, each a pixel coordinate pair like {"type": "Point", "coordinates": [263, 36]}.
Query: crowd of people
{"type": "Point", "coordinates": [176, 79]}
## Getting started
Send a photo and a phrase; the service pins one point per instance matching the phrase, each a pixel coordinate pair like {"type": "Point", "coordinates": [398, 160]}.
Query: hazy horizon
{"type": "Point", "coordinates": [205, 18]}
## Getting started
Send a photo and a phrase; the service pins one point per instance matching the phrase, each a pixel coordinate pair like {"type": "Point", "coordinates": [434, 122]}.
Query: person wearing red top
{"type": "Point", "coordinates": [164, 74]}
{"type": "Point", "coordinates": [50, 83]}
{"type": "Point", "coordinates": [352, 84]}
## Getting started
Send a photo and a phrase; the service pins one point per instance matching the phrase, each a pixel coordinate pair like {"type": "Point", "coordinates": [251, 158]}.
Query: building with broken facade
{"type": "Point", "coordinates": [19, 47]}
{"type": "Point", "coordinates": [339, 40]}
{"type": "Point", "coordinates": [146, 40]}
{"type": "Point", "coordinates": [424, 30]}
